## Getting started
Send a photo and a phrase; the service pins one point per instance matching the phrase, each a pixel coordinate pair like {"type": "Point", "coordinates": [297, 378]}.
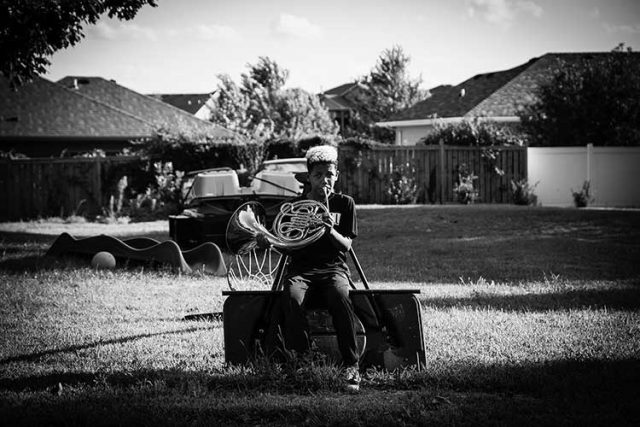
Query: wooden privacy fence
{"type": "Point", "coordinates": [367, 174]}
{"type": "Point", "coordinates": [33, 188]}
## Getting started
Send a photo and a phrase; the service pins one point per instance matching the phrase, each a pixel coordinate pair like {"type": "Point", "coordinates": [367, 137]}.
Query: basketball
{"type": "Point", "coordinates": [103, 260]}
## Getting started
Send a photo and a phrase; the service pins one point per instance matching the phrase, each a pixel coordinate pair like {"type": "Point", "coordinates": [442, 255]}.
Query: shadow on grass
{"type": "Point", "coordinates": [10, 237]}
{"type": "Point", "coordinates": [33, 263]}
{"type": "Point", "coordinates": [73, 348]}
{"type": "Point", "coordinates": [615, 299]}
{"type": "Point", "coordinates": [598, 392]}
{"type": "Point", "coordinates": [42, 262]}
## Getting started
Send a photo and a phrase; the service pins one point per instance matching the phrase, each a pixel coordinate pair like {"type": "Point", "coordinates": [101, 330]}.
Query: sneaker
{"type": "Point", "coordinates": [352, 378]}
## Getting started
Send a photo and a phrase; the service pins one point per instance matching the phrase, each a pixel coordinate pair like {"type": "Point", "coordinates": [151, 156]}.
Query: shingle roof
{"type": "Point", "coordinates": [337, 99]}
{"type": "Point", "coordinates": [497, 94]}
{"type": "Point", "coordinates": [340, 90]}
{"type": "Point", "coordinates": [189, 102]}
{"type": "Point", "coordinates": [150, 109]}
{"type": "Point", "coordinates": [460, 100]}
{"type": "Point", "coordinates": [45, 109]}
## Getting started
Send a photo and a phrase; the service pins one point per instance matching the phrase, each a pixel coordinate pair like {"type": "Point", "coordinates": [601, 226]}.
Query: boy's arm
{"type": "Point", "coordinates": [338, 240]}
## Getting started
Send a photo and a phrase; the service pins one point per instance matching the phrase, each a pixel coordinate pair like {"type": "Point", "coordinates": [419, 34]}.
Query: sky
{"type": "Point", "coordinates": [181, 46]}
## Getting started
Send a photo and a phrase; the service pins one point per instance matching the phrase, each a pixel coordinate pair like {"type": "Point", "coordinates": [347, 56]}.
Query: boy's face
{"type": "Point", "coordinates": [322, 178]}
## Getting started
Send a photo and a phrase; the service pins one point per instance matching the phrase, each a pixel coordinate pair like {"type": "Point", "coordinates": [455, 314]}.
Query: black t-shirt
{"type": "Point", "coordinates": [322, 256]}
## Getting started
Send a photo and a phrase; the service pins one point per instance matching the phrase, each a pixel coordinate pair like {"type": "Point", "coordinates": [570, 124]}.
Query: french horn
{"type": "Point", "coordinates": [297, 225]}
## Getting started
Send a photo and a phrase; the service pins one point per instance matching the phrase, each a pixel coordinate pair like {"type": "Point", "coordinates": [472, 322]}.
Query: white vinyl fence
{"type": "Point", "coordinates": [613, 173]}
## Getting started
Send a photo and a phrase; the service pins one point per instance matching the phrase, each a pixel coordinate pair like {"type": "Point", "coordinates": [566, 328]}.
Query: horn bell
{"type": "Point", "coordinates": [244, 227]}
{"type": "Point", "coordinates": [297, 225]}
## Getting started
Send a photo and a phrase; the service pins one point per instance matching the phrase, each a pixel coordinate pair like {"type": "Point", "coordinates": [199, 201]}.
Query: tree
{"type": "Point", "coordinates": [262, 109]}
{"type": "Point", "coordinates": [594, 101]}
{"type": "Point", "coordinates": [31, 31]}
{"type": "Point", "coordinates": [386, 90]}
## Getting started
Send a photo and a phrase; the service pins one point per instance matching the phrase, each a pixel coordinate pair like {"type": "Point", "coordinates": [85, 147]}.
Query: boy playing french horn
{"type": "Point", "coordinates": [319, 271]}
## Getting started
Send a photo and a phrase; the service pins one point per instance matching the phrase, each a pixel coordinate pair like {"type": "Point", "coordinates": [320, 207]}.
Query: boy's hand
{"type": "Point", "coordinates": [328, 221]}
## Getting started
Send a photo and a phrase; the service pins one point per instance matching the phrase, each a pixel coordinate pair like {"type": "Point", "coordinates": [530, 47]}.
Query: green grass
{"type": "Point", "coordinates": [530, 316]}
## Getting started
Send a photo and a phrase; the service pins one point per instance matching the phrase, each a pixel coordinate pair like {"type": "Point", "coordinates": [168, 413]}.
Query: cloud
{"type": "Point", "coordinates": [530, 8]}
{"type": "Point", "coordinates": [503, 12]}
{"type": "Point", "coordinates": [122, 31]}
{"type": "Point", "coordinates": [296, 26]}
{"type": "Point", "coordinates": [215, 32]}
{"type": "Point", "coordinates": [622, 28]}
{"type": "Point", "coordinates": [126, 31]}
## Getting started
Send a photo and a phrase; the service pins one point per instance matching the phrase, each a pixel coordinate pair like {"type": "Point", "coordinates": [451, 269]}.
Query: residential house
{"type": "Point", "coordinates": [197, 104]}
{"type": "Point", "coordinates": [338, 102]}
{"type": "Point", "coordinates": [147, 107]}
{"type": "Point", "coordinates": [496, 96]}
{"type": "Point", "coordinates": [42, 119]}
{"type": "Point", "coordinates": [78, 114]}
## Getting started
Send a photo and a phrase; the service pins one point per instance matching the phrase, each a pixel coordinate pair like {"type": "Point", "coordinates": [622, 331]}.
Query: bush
{"type": "Point", "coordinates": [477, 133]}
{"type": "Point", "coordinates": [192, 151]}
{"type": "Point", "coordinates": [464, 189]}
{"type": "Point", "coordinates": [305, 143]}
{"type": "Point", "coordinates": [523, 193]}
{"type": "Point", "coordinates": [400, 185]}
{"type": "Point", "coordinates": [473, 133]}
{"type": "Point", "coordinates": [359, 143]}
{"type": "Point", "coordinates": [157, 200]}
{"type": "Point", "coordinates": [583, 197]}
{"type": "Point", "coordinates": [285, 148]}
{"type": "Point", "coordinates": [281, 149]}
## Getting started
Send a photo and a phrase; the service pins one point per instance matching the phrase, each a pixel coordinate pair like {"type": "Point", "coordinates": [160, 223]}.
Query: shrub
{"type": "Point", "coordinates": [113, 212]}
{"type": "Point", "coordinates": [192, 151]}
{"type": "Point", "coordinates": [473, 133]}
{"type": "Point", "coordinates": [477, 133]}
{"type": "Point", "coordinates": [464, 189]}
{"type": "Point", "coordinates": [284, 147]}
{"type": "Point", "coordinates": [523, 193]}
{"type": "Point", "coordinates": [281, 149]}
{"type": "Point", "coordinates": [400, 184]}
{"type": "Point", "coordinates": [359, 143]}
{"type": "Point", "coordinates": [160, 198]}
{"type": "Point", "coordinates": [583, 197]}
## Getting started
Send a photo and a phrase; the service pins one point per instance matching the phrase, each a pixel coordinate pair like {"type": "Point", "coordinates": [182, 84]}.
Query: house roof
{"type": "Point", "coordinates": [460, 100]}
{"type": "Point", "coordinates": [189, 102]}
{"type": "Point", "coordinates": [336, 99]}
{"type": "Point", "coordinates": [42, 108]}
{"type": "Point", "coordinates": [340, 90]}
{"type": "Point", "coordinates": [146, 107]}
{"type": "Point", "coordinates": [495, 94]}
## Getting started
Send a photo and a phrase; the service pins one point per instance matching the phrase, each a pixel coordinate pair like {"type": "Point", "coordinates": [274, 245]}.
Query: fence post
{"type": "Point", "coordinates": [5, 207]}
{"type": "Point", "coordinates": [441, 176]}
{"type": "Point", "coordinates": [97, 181]}
{"type": "Point", "coordinates": [589, 160]}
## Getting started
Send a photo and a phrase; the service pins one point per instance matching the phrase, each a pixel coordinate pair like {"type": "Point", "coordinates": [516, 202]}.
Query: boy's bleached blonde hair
{"type": "Point", "coordinates": [322, 154]}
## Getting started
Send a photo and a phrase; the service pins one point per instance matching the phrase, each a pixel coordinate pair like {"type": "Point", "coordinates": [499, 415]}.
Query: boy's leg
{"type": "Point", "coordinates": [295, 322]}
{"type": "Point", "coordinates": [344, 317]}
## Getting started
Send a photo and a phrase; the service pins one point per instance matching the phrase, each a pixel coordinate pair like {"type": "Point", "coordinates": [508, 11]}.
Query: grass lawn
{"type": "Point", "coordinates": [531, 316]}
